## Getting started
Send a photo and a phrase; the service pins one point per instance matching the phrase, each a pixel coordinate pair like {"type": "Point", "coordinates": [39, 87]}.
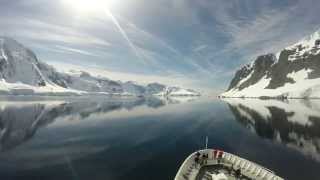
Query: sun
{"type": "Point", "coordinates": [88, 6]}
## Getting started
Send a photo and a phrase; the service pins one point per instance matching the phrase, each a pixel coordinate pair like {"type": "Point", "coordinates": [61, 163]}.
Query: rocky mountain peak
{"type": "Point", "coordinates": [22, 73]}
{"type": "Point", "coordinates": [295, 73]}
{"type": "Point", "coordinates": [18, 63]}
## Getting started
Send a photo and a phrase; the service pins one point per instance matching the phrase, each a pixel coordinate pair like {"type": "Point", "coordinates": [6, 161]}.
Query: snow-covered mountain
{"type": "Point", "coordinates": [22, 73]}
{"type": "Point", "coordinates": [134, 88]}
{"type": "Point", "coordinates": [176, 91]}
{"type": "Point", "coordinates": [294, 72]}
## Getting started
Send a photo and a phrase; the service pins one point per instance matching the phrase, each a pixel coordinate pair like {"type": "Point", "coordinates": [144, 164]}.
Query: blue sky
{"type": "Point", "coordinates": [192, 43]}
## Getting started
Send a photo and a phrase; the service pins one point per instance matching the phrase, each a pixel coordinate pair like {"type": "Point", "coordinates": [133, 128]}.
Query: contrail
{"type": "Point", "coordinates": [124, 34]}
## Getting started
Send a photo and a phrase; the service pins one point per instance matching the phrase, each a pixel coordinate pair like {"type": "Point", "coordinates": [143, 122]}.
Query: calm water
{"type": "Point", "coordinates": [97, 138]}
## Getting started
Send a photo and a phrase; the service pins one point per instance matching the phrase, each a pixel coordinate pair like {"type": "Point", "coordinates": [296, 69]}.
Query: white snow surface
{"type": "Point", "coordinates": [23, 74]}
{"type": "Point", "coordinates": [25, 89]}
{"type": "Point", "coordinates": [244, 79]}
{"type": "Point", "coordinates": [176, 91]}
{"type": "Point", "coordinates": [305, 47]}
{"type": "Point", "coordinates": [307, 41]}
{"type": "Point", "coordinates": [302, 88]}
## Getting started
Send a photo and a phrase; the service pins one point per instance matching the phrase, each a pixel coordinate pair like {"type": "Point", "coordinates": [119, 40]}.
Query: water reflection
{"type": "Point", "coordinates": [94, 138]}
{"type": "Point", "coordinates": [97, 138]}
{"type": "Point", "coordinates": [19, 120]}
{"type": "Point", "coordinates": [295, 123]}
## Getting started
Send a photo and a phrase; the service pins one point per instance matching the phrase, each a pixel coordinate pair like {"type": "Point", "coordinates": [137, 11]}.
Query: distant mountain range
{"type": "Point", "coordinates": [22, 73]}
{"type": "Point", "coordinates": [294, 72]}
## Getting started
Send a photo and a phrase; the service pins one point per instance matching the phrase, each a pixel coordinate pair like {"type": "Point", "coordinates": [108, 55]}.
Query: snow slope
{"type": "Point", "coordinates": [292, 73]}
{"type": "Point", "coordinates": [303, 88]}
{"type": "Point", "coordinates": [21, 73]}
{"type": "Point", "coordinates": [176, 91]}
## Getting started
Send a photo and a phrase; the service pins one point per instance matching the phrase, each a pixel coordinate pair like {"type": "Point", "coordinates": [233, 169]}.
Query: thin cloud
{"type": "Point", "coordinates": [77, 51]}
{"type": "Point", "coordinates": [200, 48]}
{"type": "Point", "coordinates": [268, 30]}
{"type": "Point", "coordinates": [38, 30]}
{"type": "Point", "coordinates": [203, 41]}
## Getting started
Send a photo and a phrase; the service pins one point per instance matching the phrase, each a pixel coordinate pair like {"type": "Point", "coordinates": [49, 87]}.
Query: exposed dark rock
{"type": "Point", "coordinates": [261, 68]}
{"type": "Point", "coordinates": [291, 60]}
{"type": "Point", "coordinates": [240, 74]}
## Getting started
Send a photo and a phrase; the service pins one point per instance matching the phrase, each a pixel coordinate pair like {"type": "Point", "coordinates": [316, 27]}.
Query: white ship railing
{"type": "Point", "coordinates": [188, 170]}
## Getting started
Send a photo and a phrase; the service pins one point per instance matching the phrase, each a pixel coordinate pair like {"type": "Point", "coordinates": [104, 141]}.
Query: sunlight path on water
{"type": "Point", "coordinates": [70, 166]}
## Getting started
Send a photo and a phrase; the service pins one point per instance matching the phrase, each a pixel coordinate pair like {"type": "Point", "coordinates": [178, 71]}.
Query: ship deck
{"type": "Point", "coordinates": [222, 165]}
{"type": "Point", "coordinates": [206, 172]}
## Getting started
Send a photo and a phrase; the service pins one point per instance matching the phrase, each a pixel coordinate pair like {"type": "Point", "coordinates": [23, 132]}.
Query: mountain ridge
{"type": "Point", "coordinates": [22, 73]}
{"type": "Point", "coordinates": [295, 73]}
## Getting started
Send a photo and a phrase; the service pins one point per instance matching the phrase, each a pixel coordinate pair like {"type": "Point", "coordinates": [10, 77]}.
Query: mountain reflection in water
{"type": "Point", "coordinates": [295, 123]}
{"type": "Point", "coordinates": [19, 121]}
{"type": "Point", "coordinates": [148, 138]}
